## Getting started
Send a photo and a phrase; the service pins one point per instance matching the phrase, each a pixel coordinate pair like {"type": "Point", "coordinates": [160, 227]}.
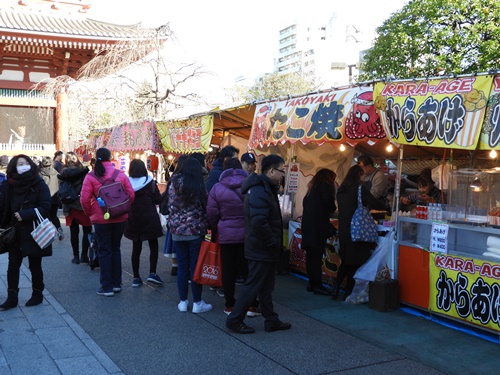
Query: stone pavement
{"type": "Point", "coordinates": [140, 331]}
{"type": "Point", "coordinates": [45, 339]}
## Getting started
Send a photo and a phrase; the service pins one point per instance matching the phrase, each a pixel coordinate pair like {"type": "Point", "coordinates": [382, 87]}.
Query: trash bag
{"type": "Point", "coordinates": [368, 271]}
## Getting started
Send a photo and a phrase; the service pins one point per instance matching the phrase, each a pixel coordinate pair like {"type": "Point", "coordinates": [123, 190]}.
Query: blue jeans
{"type": "Point", "coordinates": [187, 256]}
{"type": "Point", "coordinates": [110, 258]}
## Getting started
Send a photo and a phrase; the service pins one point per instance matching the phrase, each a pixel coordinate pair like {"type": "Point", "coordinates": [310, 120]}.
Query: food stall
{"type": "Point", "coordinates": [314, 131]}
{"type": "Point", "coordinates": [448, 263]}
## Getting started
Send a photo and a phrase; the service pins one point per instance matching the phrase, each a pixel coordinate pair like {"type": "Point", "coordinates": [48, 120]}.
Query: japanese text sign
{"type": "Point", "coordinates": [339, 116]}
{"type": "Point", "coordinates": [466, 289]}
{"type": "Point", "coordinates": [439, 238]}
{"type": "Point", "coordinates": [446, 112]}
{"type": "Point", "coordinates": [185, 136]}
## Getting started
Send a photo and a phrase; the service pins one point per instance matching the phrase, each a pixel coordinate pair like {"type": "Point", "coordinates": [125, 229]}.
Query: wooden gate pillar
{"type": "Point", "coordinates": [62, 119]}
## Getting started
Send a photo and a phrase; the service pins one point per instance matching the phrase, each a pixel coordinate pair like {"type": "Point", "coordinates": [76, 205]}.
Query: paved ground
{"type": "Point", "coordinates": [140, 331]}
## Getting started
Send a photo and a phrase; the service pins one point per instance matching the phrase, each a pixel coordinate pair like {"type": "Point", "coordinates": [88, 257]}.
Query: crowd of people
{"type": "Point", "coordinates": [236, 205]}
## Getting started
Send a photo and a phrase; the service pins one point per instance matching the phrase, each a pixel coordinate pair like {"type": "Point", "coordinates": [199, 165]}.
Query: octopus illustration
{"type": "Point", "coordinates": [363, 120]}
{"type": "Point", "coordinates": [259, 132]}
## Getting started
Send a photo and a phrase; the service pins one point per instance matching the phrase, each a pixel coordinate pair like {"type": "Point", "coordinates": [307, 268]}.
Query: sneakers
{"type": "Point", "coordinates": [137, 282]}
{"type": "Point", "coordinates": [220, 292]}
{"type": "Point", "coordinates": [155, 279]}
{"type": "Point", "coordinates": [201, 307]}
{"type": "Point", "coordinates": [253, 311]}
{"type": "Point", "coordinates": [183, 306]}
{"type": "Point", "coordinates": [117, 289]}
{"type": "Point", "coordinates": [228, 310]}
{"type": "Point", "coordinates": [101, 292]}
{"type": "Point", "coordinates": [61, 233]}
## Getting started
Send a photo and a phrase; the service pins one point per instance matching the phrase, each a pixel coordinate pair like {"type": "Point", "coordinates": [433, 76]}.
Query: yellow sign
{"type": "Point", "coordinates": [466, 289]}
{"type": "Point", "coordinates": [186, 136]}
{"type": "Point", "coordinates": [490, 133]}
{"type": "Point", "coordinates": [446, 112]}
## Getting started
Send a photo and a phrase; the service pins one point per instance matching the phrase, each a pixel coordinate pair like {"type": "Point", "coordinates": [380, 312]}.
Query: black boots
{"type": "Point", "coordinates": [11, 300]}
{"type": "Point", "coordinates": [36, 298]}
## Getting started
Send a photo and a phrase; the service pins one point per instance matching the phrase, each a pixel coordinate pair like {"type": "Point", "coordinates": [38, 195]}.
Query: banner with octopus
{"type": "Point", "coordinates": [137, 136]}
{"type": "Point", "coordinates": [338, 116]}
{"type": "Point", "coordinates": [490, 132]}
{"type": "Point", "coordinates": [446, 112]}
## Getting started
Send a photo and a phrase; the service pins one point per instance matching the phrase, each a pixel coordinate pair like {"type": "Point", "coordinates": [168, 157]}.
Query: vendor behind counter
{"type": "Point", "coordinates": [427, 193]}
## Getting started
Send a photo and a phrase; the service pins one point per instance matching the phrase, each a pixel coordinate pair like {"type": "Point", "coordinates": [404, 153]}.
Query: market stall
{"type": "Point", "coordinates": [447, 262]}
{"type": "Point", "coordinates": [310, 132]}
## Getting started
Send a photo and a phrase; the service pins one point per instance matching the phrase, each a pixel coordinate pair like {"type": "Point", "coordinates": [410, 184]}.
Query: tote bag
{"type": "Point", "coordinates": [45, 233]}
{"type": "Point", "coordinates": [363, 227]}
{"type": "Point", "coordinates": [208, 269]}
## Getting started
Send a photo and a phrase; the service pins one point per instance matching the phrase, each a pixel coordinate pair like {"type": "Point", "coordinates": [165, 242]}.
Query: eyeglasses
{"type": "Point", "coordinates": [279, 170]}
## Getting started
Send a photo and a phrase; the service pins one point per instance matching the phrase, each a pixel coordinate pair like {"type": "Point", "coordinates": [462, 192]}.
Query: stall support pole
{"type": "Point", "coordinates": [393, 259]}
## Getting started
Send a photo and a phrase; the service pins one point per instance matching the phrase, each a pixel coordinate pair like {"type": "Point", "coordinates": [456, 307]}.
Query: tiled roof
{"type": "Point", "coordinates": [71, 26]}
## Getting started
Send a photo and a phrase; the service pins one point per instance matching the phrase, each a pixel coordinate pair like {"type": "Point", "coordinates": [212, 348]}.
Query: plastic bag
{"type": "Point", "coordinates": [368, 271]}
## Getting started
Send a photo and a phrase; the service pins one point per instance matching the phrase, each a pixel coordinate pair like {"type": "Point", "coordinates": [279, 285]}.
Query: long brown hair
{"type": "Point", "coordinates": [323, 176]}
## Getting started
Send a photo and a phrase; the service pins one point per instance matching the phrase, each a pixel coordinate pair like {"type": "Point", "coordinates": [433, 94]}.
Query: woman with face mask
{"type": "Point", "coordinates": [24, 191]}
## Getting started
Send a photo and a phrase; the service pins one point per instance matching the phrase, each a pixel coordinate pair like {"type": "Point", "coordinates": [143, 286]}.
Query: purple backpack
{"type": "Point", "coordinates": [116, 199]}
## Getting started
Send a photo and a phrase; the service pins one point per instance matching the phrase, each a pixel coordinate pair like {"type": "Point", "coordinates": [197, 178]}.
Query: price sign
{"type": "Point", "coordinates": [293, 178]}
{"type": "Point", "coordinates": [439, 238]}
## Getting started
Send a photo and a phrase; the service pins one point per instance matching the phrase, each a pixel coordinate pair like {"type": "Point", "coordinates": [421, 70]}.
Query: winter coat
{"type": "Point", "coordinates": [214, 175]}
{"type": "Point", "coordinates": [90, 188]}
{"type": "Point", "coordinates": [263, 222]}
{"type": "Point", "coordinates": [25, 203]}
{"type": "Point", "coordinates": [225, 207]}
{"type": "Point", "coordinates": [354, 253]}
{"type": "Point", "coordinates": [185, 218]}
{"type": "Point", "coordinates": [75, 176]}
{"type": "Point", "coordinates": [318, 206]}
{"type": "Point", "coordinates": [49, 175]}
{"type": "Point", "coordinates": [143, 222]}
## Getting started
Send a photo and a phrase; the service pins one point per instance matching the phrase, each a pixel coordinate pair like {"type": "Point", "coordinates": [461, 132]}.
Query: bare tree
{"type": "Point", "coordinates": [129, 81]}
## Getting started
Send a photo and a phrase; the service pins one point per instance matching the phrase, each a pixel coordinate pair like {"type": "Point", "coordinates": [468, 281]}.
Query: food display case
{"type": "Point", "coordinates": [451, 281]}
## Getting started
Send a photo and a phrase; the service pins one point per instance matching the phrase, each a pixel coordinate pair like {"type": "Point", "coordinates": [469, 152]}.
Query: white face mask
{"type": "Point", "coordinates": [23, 168]}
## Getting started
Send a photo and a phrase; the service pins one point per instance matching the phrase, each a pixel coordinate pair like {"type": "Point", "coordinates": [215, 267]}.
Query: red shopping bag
{"type": "Point", "coordinates": [208, 269]}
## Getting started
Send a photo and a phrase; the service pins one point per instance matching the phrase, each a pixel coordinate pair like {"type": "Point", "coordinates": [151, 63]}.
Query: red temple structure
{"type": "Point", "coordinates": [41, 39]}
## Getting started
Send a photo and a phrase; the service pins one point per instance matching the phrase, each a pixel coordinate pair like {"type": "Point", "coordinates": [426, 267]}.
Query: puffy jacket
{"type": "Point", "coordinates": [143, 220]}
{"type": "Point", "coordinates": [263, 222]}
{"type": "Point", "coordinates": [185, 218]}
{"type": "Point", "coordinates": [225, 207]}
{"type": "Point", "coordinates": [213, 176]}
{"type": "Point", "coordinates": [75, 176]}
{"type": "Point", "coordinates": [90, 188]}
{"type": "Point", "coordinates": [25, 203]}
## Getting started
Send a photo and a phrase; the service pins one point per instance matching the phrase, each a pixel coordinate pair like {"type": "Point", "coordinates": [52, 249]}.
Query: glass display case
{"type": "Point", "coordinates": [474, 195]}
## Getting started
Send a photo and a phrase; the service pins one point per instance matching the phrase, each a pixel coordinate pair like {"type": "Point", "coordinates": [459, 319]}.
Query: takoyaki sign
{"type": "Point", "coordinates": [445, 112]}
{"type": "Point", "coordinates": [339, 116]}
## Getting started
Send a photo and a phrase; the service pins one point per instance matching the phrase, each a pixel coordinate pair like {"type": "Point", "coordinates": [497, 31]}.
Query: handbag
{"type": "Point", "coordinates": [163, 221]}
{"type": "Point", "coordinates": [208, 269]}
{"type": "Point", "coordinates": [363, 227]}
{"type": "Point", "coordinates": [45, 233]}
{"type": "Point", "coordinates": [7, 236]}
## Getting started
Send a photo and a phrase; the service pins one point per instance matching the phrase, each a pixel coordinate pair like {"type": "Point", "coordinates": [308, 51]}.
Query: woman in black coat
{"type": "Point", "coordinates": [352, 254]}
{"type": "Point", "coordinates": [143, 221]}
{"type": "Point", "coordinates": [24, 191]}
{"type": "Point", "coordinates": [319, 206]}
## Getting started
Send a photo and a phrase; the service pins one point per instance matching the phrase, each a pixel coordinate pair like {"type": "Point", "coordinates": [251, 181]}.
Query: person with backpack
{"type": "Point", "coordinates": [106, 196]}
{"type": "Point", "coordinates": [143, 222]}
{"type": "Point", "coordinates": [49, 175]}
{"type": "Point", "coordinates": [71, 180]}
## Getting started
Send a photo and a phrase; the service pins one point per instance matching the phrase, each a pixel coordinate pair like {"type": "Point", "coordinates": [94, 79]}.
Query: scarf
{"type": "Point", "coordinates": [22, 182]}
